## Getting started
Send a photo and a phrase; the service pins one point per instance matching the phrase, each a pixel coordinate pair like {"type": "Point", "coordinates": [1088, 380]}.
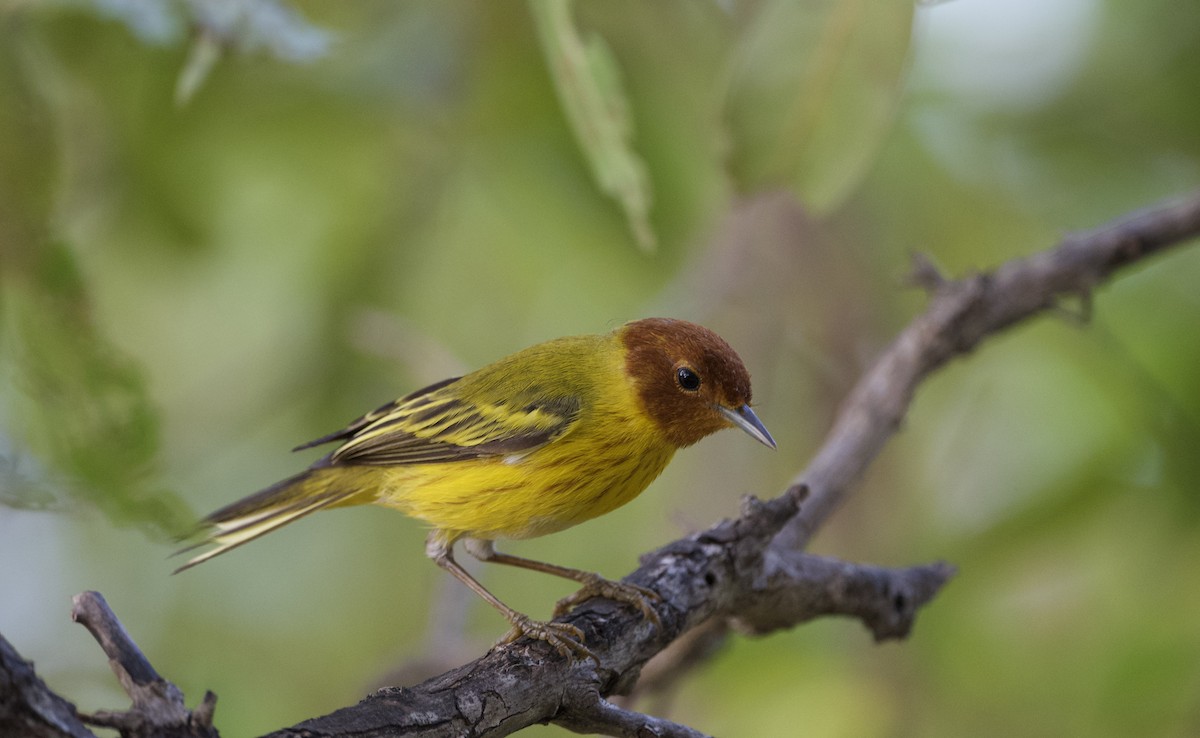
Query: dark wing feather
{"type": "Point", "coordinates": [380, 412]}
{"type": "Point", "coordinates": [436, 426]}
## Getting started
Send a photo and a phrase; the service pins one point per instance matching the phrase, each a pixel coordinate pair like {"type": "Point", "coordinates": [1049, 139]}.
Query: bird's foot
{"type": "Point", "coordinates": [597, 586]}
{"type": "Point", "coordinates": [566, 638]}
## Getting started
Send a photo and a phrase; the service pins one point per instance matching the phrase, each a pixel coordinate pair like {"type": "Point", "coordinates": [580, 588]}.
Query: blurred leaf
{"type": "Point", "coordinates": [589, 87]}
{"type": "Point", "coordinates": [813, 90]}
{"type": "Point", "coordinates": [80, 403]}
{"type": "Point", "coordinates": [202, 57]}
{"type": "Point", "coordinates": [26, 149]}
{"type": "Point", "coordinates": [246, 25]}
{"type": "Point", "coordinates": [77, 403]}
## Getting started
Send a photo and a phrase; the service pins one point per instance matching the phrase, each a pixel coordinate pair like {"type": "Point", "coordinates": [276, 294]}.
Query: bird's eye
{"type": "Point", "coordinates": [687, 378]}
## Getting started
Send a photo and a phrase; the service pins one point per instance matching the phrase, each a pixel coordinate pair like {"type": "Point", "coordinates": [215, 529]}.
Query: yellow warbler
{"type": "Point", "coordinates": [534, 443]}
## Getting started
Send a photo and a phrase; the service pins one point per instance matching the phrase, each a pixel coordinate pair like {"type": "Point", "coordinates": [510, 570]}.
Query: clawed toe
{"type": "Point", "coordinates": [598, 586]}
{"type": "Point", "coordinates": [566, 638]}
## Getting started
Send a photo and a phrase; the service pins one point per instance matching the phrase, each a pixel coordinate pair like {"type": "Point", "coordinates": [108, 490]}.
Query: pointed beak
{"type": "Point", "coordinates": [745, 419]}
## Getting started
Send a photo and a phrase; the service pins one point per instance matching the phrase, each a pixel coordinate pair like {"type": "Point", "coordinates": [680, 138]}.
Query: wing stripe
{"type": "Point", "coordinates": [413, 400]}
{"type": "Point", "coordinates": [441, 429]}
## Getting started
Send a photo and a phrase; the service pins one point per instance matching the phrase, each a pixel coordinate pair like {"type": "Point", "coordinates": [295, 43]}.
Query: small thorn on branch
{"type": "Point", "coordinates": [798, 493]}
{"type": "Point", "coordinates": [925, 273]}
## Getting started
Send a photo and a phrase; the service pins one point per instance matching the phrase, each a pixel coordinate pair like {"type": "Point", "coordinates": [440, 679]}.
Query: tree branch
{"type": "Point", "coordinates": [158, 710]}
{"type": "Point", "coordinates": [598, 716]}
{"type": "Point", "coordinates": [801, 586]}
{"type": "Point", "coordinates": [713, 573]}
{"type": "Point", "coordinates": [961, 314]}
{"type": "Point", "coordinates": [28, 707]}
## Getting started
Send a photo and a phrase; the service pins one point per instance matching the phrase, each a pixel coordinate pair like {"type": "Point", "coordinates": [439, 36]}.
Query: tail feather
{"type": "Point", "coordinates": [263, 512]}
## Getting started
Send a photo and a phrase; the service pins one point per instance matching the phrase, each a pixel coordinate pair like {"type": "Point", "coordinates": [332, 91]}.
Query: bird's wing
{"type": "Point", "coordinates": [380, 412]}
{"type": "Point", "coordinates": [437, 425]}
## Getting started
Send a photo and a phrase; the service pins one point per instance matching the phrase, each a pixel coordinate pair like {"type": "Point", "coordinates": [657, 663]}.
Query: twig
{"type": "Point", "coordinates": [158, 709]}
{"type": "Point", "coordinates": [596, 715]}
{"type": "Point", "coordinates": [799, 585]}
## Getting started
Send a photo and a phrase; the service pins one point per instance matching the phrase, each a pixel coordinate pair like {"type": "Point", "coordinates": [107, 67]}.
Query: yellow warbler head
{"type": "Point", "coordinates": [689, 380]}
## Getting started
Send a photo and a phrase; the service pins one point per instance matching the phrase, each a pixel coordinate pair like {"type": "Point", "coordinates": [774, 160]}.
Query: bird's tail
{"type": "Point", "coordinates": [264, 511]}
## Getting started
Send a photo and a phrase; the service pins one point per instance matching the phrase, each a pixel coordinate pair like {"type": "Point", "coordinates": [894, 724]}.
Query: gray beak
{"type": "Point", "coordinates": [745, 419]}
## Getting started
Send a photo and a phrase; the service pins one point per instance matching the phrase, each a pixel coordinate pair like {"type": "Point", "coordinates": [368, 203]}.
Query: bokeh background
{"type": "Point", "coordinates": [229, 227]}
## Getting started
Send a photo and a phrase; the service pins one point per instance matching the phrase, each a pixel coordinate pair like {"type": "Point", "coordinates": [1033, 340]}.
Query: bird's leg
{"type": "Point", "coordinates": [594, 585]}
{"type": "Point", "coordinates": [566, 638]}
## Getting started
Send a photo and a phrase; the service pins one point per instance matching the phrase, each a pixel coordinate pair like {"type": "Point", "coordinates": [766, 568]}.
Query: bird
{"type": "Point", "coordinates": [536, 442]}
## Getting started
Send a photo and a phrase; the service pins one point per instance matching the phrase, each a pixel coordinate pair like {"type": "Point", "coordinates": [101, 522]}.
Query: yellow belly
{"type": "Point", "coordinates": [572, 479]}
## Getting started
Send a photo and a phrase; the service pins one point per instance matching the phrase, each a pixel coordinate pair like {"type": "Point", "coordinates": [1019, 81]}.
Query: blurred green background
{"type": "Point", "coordinates": [228, 228]}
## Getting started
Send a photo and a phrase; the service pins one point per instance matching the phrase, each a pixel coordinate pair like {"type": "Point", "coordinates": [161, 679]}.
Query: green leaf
{"type": "Point", "coordinates": [27, 154]}
{"type": "Point", "coordinates": [79, 403]}
{"type": "Point", "coordinates": [588, 81]}
{"type": "Point", "coordinates": [203, 55]}
{"type": "Point", "coordinates": [813, 87]}
{"type": "Point", "coordinates": [78, 418]}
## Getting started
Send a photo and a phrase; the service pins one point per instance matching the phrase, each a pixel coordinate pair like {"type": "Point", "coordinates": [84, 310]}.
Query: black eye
{"type": "Point", "coordinates": [688, 379]}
